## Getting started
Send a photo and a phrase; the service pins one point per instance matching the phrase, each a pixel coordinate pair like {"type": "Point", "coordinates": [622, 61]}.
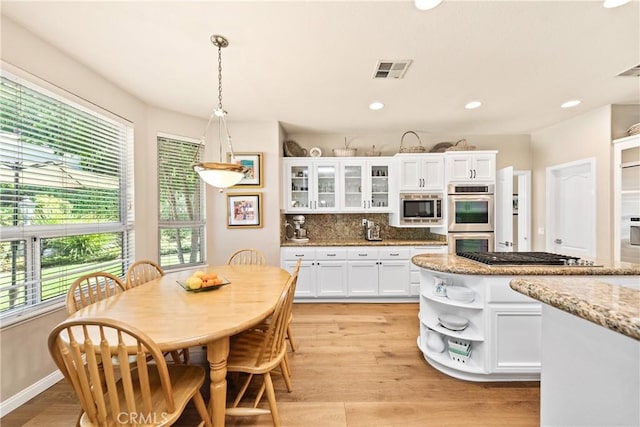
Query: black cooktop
{"type": "Point", "coordinates": [519, 258]}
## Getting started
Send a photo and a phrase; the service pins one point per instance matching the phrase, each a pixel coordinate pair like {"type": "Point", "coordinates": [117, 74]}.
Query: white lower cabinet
{"type": "Point", "coordinates": [350, 272]}
{"type": "Point", "coordinates": [515, 337]}
{"type": "Point", "coordinates": [394, 271]}
{"type": "Point", "coordinates": [379, 271]}
{"type": "Point", "coordinates": [323, 271]}
{"type": "Point", "coordinates": [503, 332]}
{"type": "Point", "coordinates": [331, 272]}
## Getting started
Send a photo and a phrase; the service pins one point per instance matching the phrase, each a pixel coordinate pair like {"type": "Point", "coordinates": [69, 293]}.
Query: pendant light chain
{"type": "Point", "coordinates": [220, 78]}
{"type": "Point", "coordinates": [219, 174]}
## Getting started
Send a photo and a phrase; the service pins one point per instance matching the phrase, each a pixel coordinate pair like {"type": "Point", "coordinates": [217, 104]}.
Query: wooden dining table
{"type": "Point", "coordinates": [176, 318]}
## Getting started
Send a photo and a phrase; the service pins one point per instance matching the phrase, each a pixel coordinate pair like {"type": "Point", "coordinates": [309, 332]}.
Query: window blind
{"type": "Point", "coordinates": [64, 174]}
{"type": "Point", "coordinates": [181, 211]}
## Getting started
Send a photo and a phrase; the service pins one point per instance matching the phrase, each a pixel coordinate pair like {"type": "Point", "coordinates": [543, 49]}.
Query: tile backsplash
{"type": "Point", "coordinates": [349, 226]}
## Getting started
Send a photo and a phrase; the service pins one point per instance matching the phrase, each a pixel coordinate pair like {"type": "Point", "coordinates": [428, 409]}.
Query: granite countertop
{"type": "Point", "coordinates": [458, 265]}
{"type": "Point", "coordinates": [363, 242]}
{"type": "Point", "coordinates": [612, 306]}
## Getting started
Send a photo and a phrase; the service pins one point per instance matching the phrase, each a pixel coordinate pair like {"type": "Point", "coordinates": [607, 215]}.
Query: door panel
{"type": "Point", "coordinates": [571, 214]}
{"type": "Point", "coordinates": [504, 210]}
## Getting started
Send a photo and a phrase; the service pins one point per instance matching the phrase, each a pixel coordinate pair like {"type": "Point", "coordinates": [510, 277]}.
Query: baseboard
{"type": "Point", "coordinates": [29, 393]}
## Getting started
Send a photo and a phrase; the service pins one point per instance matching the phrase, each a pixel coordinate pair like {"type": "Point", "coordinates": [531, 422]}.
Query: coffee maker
{"type": "Point", "coordinates": [371, 230]}
{"type": "Point", "coordinates": [300, 234]}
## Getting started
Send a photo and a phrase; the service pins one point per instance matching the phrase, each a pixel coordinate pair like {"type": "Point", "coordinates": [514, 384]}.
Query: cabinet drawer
{"type": "Point", "coordinates": [503, 293]}
{"type": "Point", "coordinates": [362, 253]}
{"type": "Point", "coordinates": [292, 254]}
{"type": "Point", "coordinates": [395, 253]}
{"type": "Point", "coordinates": [331, 253]}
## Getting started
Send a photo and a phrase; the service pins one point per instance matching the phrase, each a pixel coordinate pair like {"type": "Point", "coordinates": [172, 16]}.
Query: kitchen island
{"type": "Point", "coordinates": [590, 350]}
{"type": "Point", "coordinates": [504, 331]}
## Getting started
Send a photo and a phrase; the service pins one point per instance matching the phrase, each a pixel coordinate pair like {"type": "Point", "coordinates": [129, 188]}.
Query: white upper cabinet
{"type": "Point", "coordinates": [420, 172]}
{"type": "Point", "coordinates": [311, 186]}
{"type": "Point", "coordinates": [466, 167]}
{"type": "Point", "coordinates": [365, 185]}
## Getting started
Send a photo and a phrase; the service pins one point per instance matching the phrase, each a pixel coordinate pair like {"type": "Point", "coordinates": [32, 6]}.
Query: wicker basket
{"type": "Point", "coordinates": [413, 149]}
{"type": "Point", "coordinates": [634, 130]}
{"type": "Point", "coordinates": [373, 152]}
{"type": "Point", "coordinates": [345, 152]}
{"type": "Point", "coordinates": [461, 145]}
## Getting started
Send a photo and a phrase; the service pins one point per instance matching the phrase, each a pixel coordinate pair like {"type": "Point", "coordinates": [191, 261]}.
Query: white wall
{"type": "Point", "coordinates": [253, 137]}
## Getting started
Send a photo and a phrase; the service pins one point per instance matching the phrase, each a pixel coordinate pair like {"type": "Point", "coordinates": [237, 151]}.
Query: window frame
{"type": "Point", "coordinates": [32, 235]}
{"type": "Point", "coordinates": [182, 224]}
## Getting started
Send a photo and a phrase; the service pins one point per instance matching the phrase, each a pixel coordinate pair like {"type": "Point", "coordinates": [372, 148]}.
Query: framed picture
{"type": "Point", "coordinates": [515, 204]}
{"type": "Point", "coordinates": [253, 163]}
{"type": "Point", "coordinates": [244, 210]}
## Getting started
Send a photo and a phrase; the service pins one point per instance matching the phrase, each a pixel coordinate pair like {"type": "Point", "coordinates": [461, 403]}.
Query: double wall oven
{"type": "Point", "coordinates": [471, 217]}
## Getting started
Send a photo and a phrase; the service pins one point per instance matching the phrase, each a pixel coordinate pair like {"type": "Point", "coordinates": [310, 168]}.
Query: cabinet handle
{"type": "Point", "coordinates": [394, 254]}
{"type": "Point", "coordinates": [362, 254]}
{"type": "Point", "coordinates": [364, 203]}
{"type": "Point", "coordinates": [331, 254]}
{"type": "Point", "coordinates": [470, 173]}
{"type": "Point", "coordinates": [298, 255]}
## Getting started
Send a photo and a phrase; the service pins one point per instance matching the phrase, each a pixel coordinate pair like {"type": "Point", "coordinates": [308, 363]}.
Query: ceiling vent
{"type": "Point", "coordinates": [391, 69]}
{"type": "Point", "coordinates": [633, 72]}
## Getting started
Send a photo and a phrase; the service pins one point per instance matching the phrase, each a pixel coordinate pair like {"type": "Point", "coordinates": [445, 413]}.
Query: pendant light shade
{"type": "Point", "coordinates": [427, 4]}
{"type": "Point", "coordinates": [219, 174]}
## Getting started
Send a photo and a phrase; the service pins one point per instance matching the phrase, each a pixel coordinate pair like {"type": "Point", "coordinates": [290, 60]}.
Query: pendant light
{"type": "Point", "coordinates": [427, 4]}
{"type": "Point", "coordinates": [220, 174]}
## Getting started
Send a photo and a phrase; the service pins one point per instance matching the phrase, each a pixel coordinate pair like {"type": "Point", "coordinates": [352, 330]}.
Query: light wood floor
{"type": "Point", "coordinates": [355, 365]}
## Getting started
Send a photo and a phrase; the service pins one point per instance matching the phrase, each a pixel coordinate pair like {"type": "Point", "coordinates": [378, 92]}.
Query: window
{"type": "Point", "coordinates": [181, 216]}
{"type": "Point", "coordinates": [64, 176]}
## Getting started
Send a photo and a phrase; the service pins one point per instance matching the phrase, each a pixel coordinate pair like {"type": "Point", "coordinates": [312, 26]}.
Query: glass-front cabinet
{"type": "Point", "coordinates": [365, 185]}
{"type": "Point", "coordinates": [311, 185]}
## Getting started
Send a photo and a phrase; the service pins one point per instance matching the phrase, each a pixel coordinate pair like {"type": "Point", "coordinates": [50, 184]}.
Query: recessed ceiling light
{"type": "Point", "coordinates": [571, 103]}
{"type": "Point", "coordinates": [427, 4]}
{"type": "Point", "coordinates": [614, 3]}
{"type": "Point", "coordinates": [472, 105]}
{"type": "Point", "coordinates": [376, 106]}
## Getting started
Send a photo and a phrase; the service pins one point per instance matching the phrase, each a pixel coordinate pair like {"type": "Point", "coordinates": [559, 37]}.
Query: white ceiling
{"type": "Point", "coordinates": [309, 64]}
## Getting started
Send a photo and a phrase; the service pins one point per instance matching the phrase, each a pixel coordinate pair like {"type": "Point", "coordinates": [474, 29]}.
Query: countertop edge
{"type": "Point", "coordinates": [563, 297]}
{"type": "Point", "coordinates": [458, 265]}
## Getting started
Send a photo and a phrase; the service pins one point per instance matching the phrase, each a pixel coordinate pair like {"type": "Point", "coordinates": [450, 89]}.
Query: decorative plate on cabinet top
{"type": "Point", "coordinates": [315, 152]}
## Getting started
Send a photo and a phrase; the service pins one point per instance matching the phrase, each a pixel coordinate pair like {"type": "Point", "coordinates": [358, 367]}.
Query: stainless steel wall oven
{"type": "Point", "coordinates": [471, 208]}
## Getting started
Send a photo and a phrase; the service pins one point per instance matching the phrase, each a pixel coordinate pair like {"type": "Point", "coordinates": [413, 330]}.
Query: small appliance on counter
{"type": "Point", "coordinates": [299, 234]}
{"type": "Point", "coordinates": [371, 230]}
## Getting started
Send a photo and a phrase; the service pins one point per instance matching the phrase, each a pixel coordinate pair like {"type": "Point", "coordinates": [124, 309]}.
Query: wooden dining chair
{"type": "Point", "coordinates": [259, 352]}
{"type": "Point", "coordinates": [143, 271]}
{"type": "Point", "coordinates": [134, 385]}
{"type": "Point", "coordinates": [91, 288]}
{"type": "Point", "coordinates": [247, 256]}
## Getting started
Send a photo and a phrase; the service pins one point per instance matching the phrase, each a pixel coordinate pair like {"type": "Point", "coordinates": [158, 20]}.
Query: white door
{"type": "Point", "coordinates": [504, 210]}
{"type": "Point", "coordinates": [523, 208]}
{"type": "Point", "coordinates": [571, 206]}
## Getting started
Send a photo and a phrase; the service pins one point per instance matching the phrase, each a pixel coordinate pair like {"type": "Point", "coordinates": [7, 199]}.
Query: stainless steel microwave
{"type": "Point", "coordinates": [421, 209]}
